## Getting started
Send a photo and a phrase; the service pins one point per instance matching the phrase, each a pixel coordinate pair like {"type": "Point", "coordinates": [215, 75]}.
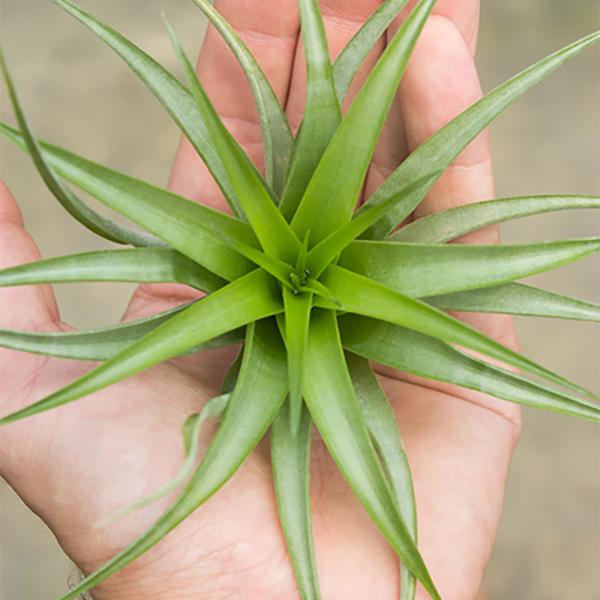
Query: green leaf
{"type": "Point", "coordinates": [252, 297]}
{"type": "Point", "coordinates": [363, 296]}
{"type": "Point", "coordinates": [426, 357]}
{"type": "Point", "coordinates": [70, 202]}
{"type": "Point", "coordinates": [429, 270]}
{"type": "Point", "coordinates": [213, 409]}
{"type": "Point", "coordinates": [441, 149]}
{"type": "Point", "coordinates": [297, 319]}
{"type": "Point", "coordinates": [518, 299]}
{"type": "Point", "coordinates": [101, 344]}
{"type": "Point", "coordinates": [354, 54]}
{"type": "Point", "coordinates": [322, 113]}
{"type": "Point", "coordinates": [290, 459]}
{"type": "Point", "coordinates": [337, 414]}
{"type": "Point", "coordinates": [257, 399]}
{"type": "Point", "coordinates": [381, 421]}
{"type": "Point", "coordinates": [453, 223]}
{"type": "Point", "coordinates": [325, 252]}
{"type": "Point", "coordinates": [178, 101]}
{"type": "Point", "coordinates": [142, 265]}
{"type": "Point", "coordinates": [233, 373]}
{"type": "Point", "coordinates": [325, 208]}
{"type": "Point", "coordinates": [277, 137]}
{"type": "Point", "coordinates": [256, 202]}
{"type": "Point", "coordinates": [205, 235]}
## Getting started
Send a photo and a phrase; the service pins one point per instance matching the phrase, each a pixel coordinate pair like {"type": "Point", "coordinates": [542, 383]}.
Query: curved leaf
{"type": "Point", "coordinates": [429, 270]}
{"type": "Point", "coordinates": [248, 299]}
{"type": "Point", "coordinates": [325, 208]}
{"type": "Point", "coordinates": [363, 296]}
{"type": "Point", "coordinates": [424, 356]}
{"type": "Point", "coordinates": [142, 265]}
{"type": "Point", "coordinates": [290, 460]}
{"type": "Point", "coordinates": [173, 96]}
{"type": "Point", "coordinates": [322, 113]}
{"type": "Point", "coordinates": [205, 235]}
{"type": "Point", "coordinates": [351, 58]}
{"type": "Point", "coordinates": [257, 399]}
{"type": "Point", "coordinates": [277, 137]}
{"type": "Point", "coordinates": [69, 201]}
{"type": "Point", "coordinates": [256, 202]}
{"type": "Point", "coordinates": [519, 299]}
{"type": "Point", "coordinates": [438, 152]}
{"type": "Point", "coordinates": [453, 223]}
{"type": "Point", "coordinates": [383, 427]}
{"type": "Point", "coordinates": [336, 412]}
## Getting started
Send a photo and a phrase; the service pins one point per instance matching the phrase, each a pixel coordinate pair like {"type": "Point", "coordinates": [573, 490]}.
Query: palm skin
{"type": "Point", "coordinates": [78, 464]}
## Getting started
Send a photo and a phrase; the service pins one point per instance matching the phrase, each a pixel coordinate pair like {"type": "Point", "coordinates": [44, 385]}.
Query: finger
{"type": "Point", "coordinates": [270, 30]}
{"type": "Point", "coordinates": [342, 19]}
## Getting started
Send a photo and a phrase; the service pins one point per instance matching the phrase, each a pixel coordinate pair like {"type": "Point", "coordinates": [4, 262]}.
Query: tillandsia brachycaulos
{"type": "Point", "coordinates": [315, 290]}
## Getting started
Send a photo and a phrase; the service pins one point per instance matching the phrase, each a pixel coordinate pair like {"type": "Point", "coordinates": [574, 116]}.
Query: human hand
{"type": "Point", "coordinates": [76, 465]}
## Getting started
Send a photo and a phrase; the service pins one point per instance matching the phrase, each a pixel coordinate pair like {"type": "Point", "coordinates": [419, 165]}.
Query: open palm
{"type": "Point", "coordinates": [76, 465]}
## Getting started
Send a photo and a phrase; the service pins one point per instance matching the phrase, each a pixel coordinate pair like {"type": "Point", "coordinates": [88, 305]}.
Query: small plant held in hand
{"type": "Point", "coordinates": [315, 289]}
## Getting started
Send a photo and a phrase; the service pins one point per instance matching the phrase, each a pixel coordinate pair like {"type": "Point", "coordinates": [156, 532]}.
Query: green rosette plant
{"type": "Point", "coordinates": [314, 289]}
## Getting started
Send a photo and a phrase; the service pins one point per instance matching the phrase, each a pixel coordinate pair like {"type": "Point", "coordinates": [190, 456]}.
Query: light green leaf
{"type": "Point", "coordinates": [453, 223]}
{"type": "Point", "coordinates": [205, 235]}
{"type": "Point", "coordinates": [290, 460]}
{"type": "Point", "coordinates": [255, 201]}
{"type": "Point", "coordinates": [424, 356]}
{"type": "Point", "coordinates": [429, 270]}
{"type": "Point", "coordinates": [322, 113]}
{"type": "Point", "coordinates": [441, 149]}
{"type": "Point", "coordinates": [354, 54]}
{"type": "Point", "coordinates": [142, 265]}
{"type": "Point", "coordinates": [518, 299]}
{"type": "Point", "coordinates": [337, 414]}
{"type": "Point", "coordinates": [213, 409]}
{"type": "Point", "coordinates": [325, 208]}
{"type": "Point", "coordinates": [248, 299]}
{"type": "Point", "coordinates": [70, 202]}
{"type": "Point", "coordinates": [173, 96]}
{"type": "Point", "coordinates": [383, 427]}
{"type": "Point", "coordinates": [257, 399]}
{"type": "Point", "coordinates": [297, 319]}
{"type": "Point", "coordinates": [277, 137]}
{"type": "Point", "coordinates": [363, 296]}
{"type": "Point", "coordinates": [325, 252]}
{"type": "Point", "coordinates": [101, 344]}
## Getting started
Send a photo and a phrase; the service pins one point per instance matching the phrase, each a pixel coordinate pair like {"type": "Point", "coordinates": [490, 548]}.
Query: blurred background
{"type": "Point", "coordinates": [80, 96]}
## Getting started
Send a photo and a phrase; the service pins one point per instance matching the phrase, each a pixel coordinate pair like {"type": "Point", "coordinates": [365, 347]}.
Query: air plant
{"type": "Point", "coordinates": [315, 289]}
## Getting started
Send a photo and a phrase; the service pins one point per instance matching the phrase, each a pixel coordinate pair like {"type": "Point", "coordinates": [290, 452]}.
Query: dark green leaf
{"type": "Point", "coordinates": [205, 235]}
{"type": "Point", "coordinates": [325, 208]}
{"type": "Point", "coordinates": [254, 404]}
{"type": "Point", "coordinates": [363, 296]}
{"type": "Point", "coordinates": [277, 137]}
{"type": "Point", "coordinates": [429, 270]}
{"type": "Point", "coordinates": [337, 414]}
{"type": "Point", "coordinates": [142, 265]}
{"type": "Point", "coordinates": [383, 427]}
{"type": "Point", "coordinates": [424, 356]}
{"type": "Point", "coordinates": [290, 459]}
{"type": "Point", "coordinates": [441, 149]}
{"type": "Point", "coordinates": [252, 297]}
{"type": "Point", "coordinates": [518, 299]}
{"type": "Point", "coordinates": [322, 112]}
{"type": "Point", "coordinates": [453, 223]}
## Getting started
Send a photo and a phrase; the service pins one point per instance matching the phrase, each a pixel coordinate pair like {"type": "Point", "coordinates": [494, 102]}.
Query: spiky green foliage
{"type": "Point", "coordinates": [289, 275]}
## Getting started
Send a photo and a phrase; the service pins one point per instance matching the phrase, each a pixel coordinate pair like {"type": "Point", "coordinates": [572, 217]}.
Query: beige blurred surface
{"type": "Point", "coordinates": [80, 96]}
